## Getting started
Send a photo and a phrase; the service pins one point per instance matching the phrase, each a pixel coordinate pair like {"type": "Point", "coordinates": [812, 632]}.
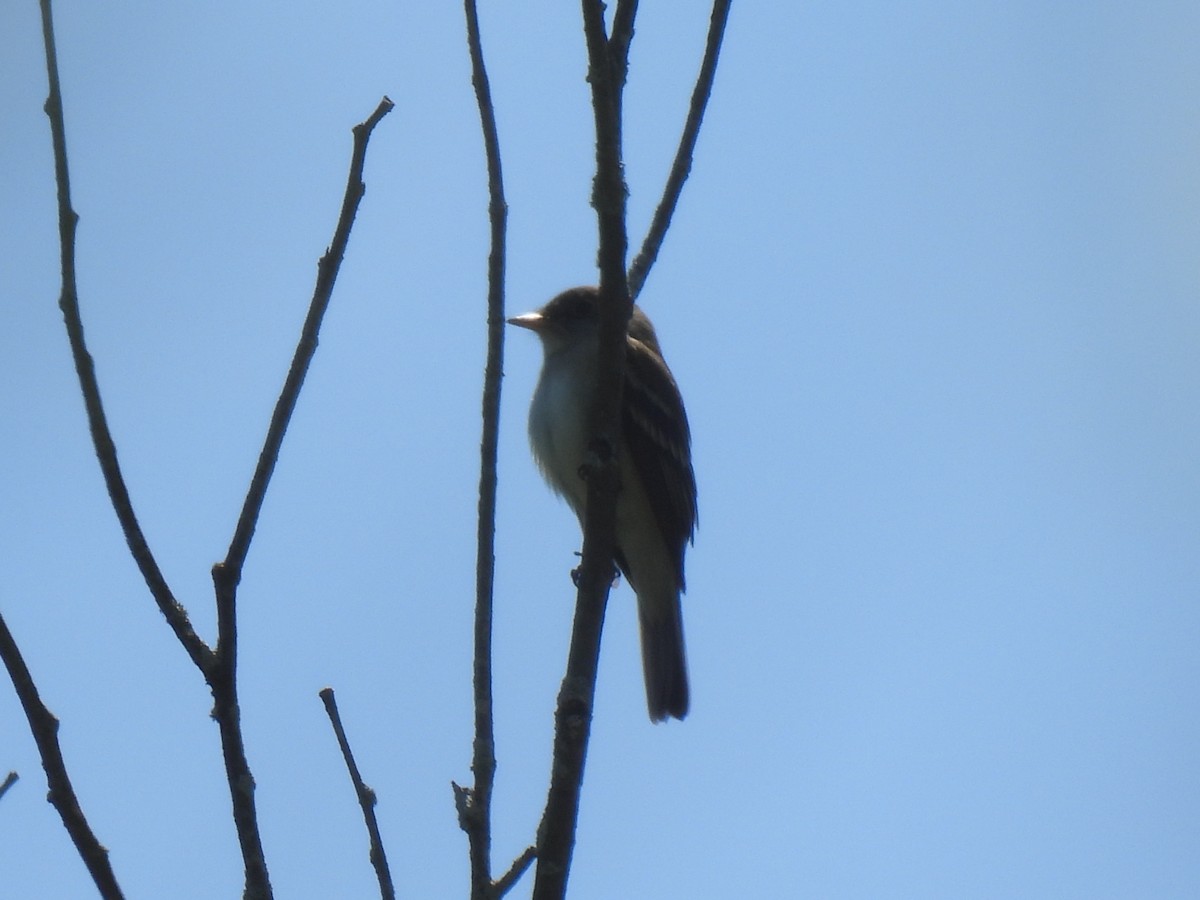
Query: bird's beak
{"type": "Point", "coordinates": [534, 321]}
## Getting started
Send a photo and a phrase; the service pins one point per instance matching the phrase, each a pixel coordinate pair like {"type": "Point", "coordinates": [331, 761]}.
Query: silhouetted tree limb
{"type": "Point", "coordinates": [327, 272]}
{"type": "Point", "coordinates": [222, 678]}
{"type": "Point", "coordinates": [366, 798]}
{"type": "Point", "coordinates": [219, 665]}
{"type": "Point", "coordinates": [505, 882]}
{"type": "Point", "coordinates": [44, 727]}
{"type": "Point", "coordinates": [9, 780]}
{"type": "Point", "coordinates": [475, 806]}
{"type": "Point", "coordinates": [682, 166]}
{"type": "Point", "coordinates": [106, 451]}
{"type": "Point", "coordinates": [607, 65]}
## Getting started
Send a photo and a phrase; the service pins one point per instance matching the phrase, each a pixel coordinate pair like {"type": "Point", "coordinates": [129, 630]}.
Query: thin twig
{"type": "Point", "coordinates": [573, 714]}
{"type": "Point", "coordinates": [9, 780]}
{"type": "Point", "coordinates": [506, 881]}
{"type": "Point", "coordinates": [327, 271]}
{"type": "Point", "coordinates": [366, 798]}
{"type": "Point", "coordinates": [44, 727]}
{"type": "Point", "coordinates": [682, 165]}
{"type": "Point", "coordinates": [106, 451]}
{"type": "Point", "coordinates": [475, 816]}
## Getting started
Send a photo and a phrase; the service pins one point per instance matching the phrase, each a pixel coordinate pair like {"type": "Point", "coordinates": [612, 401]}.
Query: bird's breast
{"type": "Point", "coordinates": [558, 429]}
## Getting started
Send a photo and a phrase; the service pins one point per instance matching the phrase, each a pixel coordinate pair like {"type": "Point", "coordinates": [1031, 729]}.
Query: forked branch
{"type": "Point", "coordinates": [219, 665]}
{"type": "Point", "coordinates": [222, 676]}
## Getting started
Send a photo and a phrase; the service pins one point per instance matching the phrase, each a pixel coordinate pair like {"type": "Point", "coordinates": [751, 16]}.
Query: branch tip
{"type": "Point", "coordinates": [366, 797]}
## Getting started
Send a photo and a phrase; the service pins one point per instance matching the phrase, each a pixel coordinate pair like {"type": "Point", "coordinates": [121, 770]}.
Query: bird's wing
{"type": "Point", "coordinates": [655, 429]}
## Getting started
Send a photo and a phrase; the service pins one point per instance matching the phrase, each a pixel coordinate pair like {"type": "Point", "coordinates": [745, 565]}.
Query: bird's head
{"type": "Point", "coordinates": [573, 316]}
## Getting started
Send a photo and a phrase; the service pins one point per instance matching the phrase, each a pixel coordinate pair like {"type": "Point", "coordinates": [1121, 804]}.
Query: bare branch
{"type": "Point", "coordinates": [607, 69]}
{"type": "Point", "coordinates": [222, 676]}
{"type": "Point", "coordinates": [477, 820]}
{"type": "Point", "coordinates": [573, 714]}
{"type": "Point", "coordinates": [9, 780]}
{"type": "Point", "coordinates": [226, 712]}
{"type": "Point", "coordinates": [366, 798]}
{"type": "Point", "coordinates": [44, 727]}
{"type": "Point", "coordinates": [505, 883]}
{"type": "Point", "coordinates": [106, 451]}
{"type": "Point", "coordinates": [682, 166]}
{"type": "Point", "coordinates": [327, 271]}
{"type": "Point", "coordinates": [219, 666]}
{"type": "Point", "coordinates": [622, 37]}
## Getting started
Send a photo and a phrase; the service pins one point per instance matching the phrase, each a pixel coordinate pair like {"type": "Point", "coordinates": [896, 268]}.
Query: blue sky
{"type": "Point", "coordinates": [932, 299]}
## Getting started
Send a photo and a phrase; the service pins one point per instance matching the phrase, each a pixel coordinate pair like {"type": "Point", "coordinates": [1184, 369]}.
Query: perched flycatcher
{"type": "Point", "coordinates": [656, 505]}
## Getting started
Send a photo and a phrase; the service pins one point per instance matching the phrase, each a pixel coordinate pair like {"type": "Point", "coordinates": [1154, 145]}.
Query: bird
{"type": "Point", "coordinates": [656, 503]}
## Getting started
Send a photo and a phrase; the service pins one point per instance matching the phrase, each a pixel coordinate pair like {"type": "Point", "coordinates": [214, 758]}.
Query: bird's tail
{"type": "Point", "coordinates": [664, 662]}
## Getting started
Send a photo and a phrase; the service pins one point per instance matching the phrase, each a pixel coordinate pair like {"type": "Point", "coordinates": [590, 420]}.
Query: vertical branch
{"type": "Point", "coordinates": [619, 41]}
{"type": "Point", "coordinates": [475, 806]}
{"type": "Point", "coordinates": [222, 676]}
{"type": "Point", "coordinates": [682, 166]}
{"type": "Point", "coordinates": [226, 712]}
{"type": "Point", "coordinates": [607, 64]}
{"type": "Point", "coordinates": [44, 727]}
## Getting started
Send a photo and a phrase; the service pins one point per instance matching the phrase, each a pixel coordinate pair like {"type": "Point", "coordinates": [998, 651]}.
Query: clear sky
{"type": "Point", "coordinates": [933, 299]}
